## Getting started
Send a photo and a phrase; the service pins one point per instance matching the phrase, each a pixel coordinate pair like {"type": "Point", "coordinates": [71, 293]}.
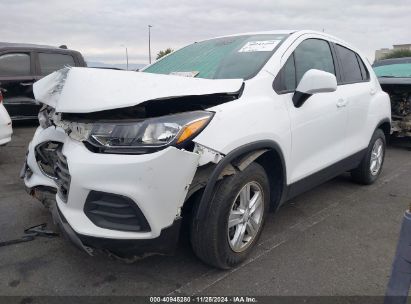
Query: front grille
{"type": "Point", "coordinates": [63, 177]}
{"type": "Point", "coordinates": [46, 157]}
{"type": "Point", "coordinates": [53, 164]}
{"type": "Point", "coordinates": [115, 212]}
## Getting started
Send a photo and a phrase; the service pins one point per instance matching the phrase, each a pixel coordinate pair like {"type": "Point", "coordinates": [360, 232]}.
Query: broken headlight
{"type": "Point", "coordinates": [144, 135]}
{"type": "Point", "coordinates": [44, 117]}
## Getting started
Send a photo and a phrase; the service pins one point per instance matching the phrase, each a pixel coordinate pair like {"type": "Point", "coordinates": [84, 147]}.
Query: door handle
{"type": "Point", "coordinates": [373, 91]}
{"type": "Point", "coordinates": [26, 84]}
{"type": "Point", "coordinates": [341, 103]}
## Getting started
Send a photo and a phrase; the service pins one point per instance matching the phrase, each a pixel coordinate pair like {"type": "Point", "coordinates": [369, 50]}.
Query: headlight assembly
{"type": "Point", "coordinates": [44, 117]}
{"type": "Point", "coordinates": [142, 136]}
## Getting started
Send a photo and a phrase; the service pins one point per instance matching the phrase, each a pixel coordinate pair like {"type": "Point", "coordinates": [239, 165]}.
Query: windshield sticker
{"type": "Point", "coordinates": [259, 46]}
{"type": "Point", "coordinates": [186, 74]}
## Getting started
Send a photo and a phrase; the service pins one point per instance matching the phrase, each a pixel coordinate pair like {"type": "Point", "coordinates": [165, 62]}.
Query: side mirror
{"type": "Point", "coordinates": [313, 82]}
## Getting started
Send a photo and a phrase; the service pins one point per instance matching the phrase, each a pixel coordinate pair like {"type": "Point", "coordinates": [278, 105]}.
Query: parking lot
{"type": "Point", "coordinates": [338, 239]}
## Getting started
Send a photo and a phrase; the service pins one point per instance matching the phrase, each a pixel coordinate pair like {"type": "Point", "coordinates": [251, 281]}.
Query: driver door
{"type": "Point", "coordinates": [318, 127]}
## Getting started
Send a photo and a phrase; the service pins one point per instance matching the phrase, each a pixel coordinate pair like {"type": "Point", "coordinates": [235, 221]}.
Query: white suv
{"type": "Point", "coordinates": [258, 119]}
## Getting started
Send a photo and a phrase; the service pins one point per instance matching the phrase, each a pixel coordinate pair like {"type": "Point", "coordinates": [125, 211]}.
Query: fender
{"type": "Point", "coordinates": [382, 121]}
{"type": "Point", "coordinates": [263, 144]}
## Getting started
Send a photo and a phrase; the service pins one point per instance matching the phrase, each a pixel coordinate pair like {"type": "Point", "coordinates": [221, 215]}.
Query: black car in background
{"type": "Point", "coordinates": [23, 64]}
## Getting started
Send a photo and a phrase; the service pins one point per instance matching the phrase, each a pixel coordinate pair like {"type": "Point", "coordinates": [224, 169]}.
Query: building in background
{"type": "Point", "coordinates": [379, 54]}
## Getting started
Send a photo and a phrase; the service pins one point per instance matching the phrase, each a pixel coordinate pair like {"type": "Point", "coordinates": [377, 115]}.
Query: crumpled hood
{"type": "Point", "coordinates": [85, 90]}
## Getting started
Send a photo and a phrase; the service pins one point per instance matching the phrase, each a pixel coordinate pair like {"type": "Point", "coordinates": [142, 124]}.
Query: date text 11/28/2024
{"type": "Point", "coordinates": [203, 299]}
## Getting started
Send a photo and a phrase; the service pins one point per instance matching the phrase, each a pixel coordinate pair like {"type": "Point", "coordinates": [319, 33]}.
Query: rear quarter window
{"type": "Point", "coordinates": [364, 72]}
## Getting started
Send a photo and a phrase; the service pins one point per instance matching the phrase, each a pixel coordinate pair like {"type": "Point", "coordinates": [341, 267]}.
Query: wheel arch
{"type": "Point", "coordinates": [385, 126]}
{"type": "Point", "coordinates": [267, 153]}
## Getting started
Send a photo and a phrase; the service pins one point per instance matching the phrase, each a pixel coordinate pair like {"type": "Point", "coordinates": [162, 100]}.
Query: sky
{"type": "Point", "coordinates": [101, 29]}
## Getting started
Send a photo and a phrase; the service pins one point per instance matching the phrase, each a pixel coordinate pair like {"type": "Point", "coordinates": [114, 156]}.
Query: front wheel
{"type": "Point", "coordinates": [371, 166]}
{"type": "Point", "coordinates": [227, 233]}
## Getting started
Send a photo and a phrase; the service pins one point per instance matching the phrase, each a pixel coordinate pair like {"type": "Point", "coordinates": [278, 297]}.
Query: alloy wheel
{"type": "Point", "coordinates": [377, 156]}
{"type": "Point", "coordinates": [245, 217]}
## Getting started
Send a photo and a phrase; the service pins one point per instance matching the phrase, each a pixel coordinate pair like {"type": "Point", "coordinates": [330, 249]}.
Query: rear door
{"type": "Point", "coordinates": [16, 83]}
{"type": "Point", "coordinates": [356, 87]}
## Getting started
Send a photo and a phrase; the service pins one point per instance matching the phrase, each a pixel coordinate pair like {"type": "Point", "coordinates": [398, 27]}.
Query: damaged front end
{"type": "Point", "coordinates": [129, 118]}
{"type": "Point", "coordinates": [400, 95]}
{"type": "Point", "coordinates": [120, 172]}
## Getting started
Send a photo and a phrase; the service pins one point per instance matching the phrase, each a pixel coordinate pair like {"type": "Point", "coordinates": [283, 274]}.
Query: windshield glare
{"type": "Point", "coordinates": [221, 58]}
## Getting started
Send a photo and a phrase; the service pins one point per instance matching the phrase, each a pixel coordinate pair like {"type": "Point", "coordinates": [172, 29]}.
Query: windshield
{"type": "Point", "coordinates": [221, 58]}
{"type": "Point", "coordinates": [399, 67]}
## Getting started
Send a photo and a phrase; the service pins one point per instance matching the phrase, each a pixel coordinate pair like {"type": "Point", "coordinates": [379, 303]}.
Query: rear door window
{"type": "Point", "coordinates": [52, 62]}
{"type": "Point", "coordinates": [351, 72]}
{"type": "Point", "coordinates": [15, 64]}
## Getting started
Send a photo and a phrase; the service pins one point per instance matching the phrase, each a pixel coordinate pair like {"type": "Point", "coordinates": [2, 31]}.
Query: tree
{"type": "Point", "coordinates": [162, 53]}
{"type": "Point", "coordinates": [398, 54]}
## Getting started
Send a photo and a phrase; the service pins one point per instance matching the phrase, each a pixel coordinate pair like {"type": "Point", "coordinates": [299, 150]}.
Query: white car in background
{"type": "Point", "coordinates": [5, 124]}
{"type": "Point", "coordinates": [258, 119]}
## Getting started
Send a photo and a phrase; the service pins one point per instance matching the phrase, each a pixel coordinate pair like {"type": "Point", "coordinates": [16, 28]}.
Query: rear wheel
{"type": "Point", "coordinates": [371, 166]}
{"type": "Point", "coordinates": [234, 218]}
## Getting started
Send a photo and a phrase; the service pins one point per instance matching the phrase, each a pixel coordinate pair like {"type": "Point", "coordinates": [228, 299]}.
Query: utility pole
{"type": "Point", "coordinates": [149, 43]}
{"type": "Point", "coordinates": [126, 54]}
{"type": "Point", "coordinates": [127, 57]}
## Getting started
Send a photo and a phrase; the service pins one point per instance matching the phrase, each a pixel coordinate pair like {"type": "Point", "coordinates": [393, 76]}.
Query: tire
{"type": "Point", "coordinates": [364, 173]}
{"type": "Point", "coordinates": [211, 238]}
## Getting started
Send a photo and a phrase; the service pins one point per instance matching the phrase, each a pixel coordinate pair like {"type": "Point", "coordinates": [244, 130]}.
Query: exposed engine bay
{"type": "Point", "coordinates": [400, 95]}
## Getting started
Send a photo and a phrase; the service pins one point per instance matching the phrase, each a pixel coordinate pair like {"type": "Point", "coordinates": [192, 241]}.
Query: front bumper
{"type": "Point", "coordinates": [126, 249]}
{"type": "Point", "coordinates": [157, 183]}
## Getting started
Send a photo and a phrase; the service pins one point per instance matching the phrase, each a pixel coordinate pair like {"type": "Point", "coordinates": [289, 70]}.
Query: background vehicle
{"type": "Point", "coordinates": [5, 124]}
{"type": "Point", "coordinates": [23, 64]}
{"type": "Point", "coordinates": [394, 76]}
{"type": "Point", "coordinates": [263, 117]}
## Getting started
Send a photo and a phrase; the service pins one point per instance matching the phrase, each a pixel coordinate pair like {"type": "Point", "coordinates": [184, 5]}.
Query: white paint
{"type": "Point", "coordinates": [89, 90]}
{"type": "Point", "coordinates": [316, 81]}
{"type": "Point", "coordinates": [143, 178]}
{"type": "Point", "coordinates": [6, 129]}
{"type": "Point", "coordinates": [312, 137]}
{"type": "Point", "coordinates": [207, 155]}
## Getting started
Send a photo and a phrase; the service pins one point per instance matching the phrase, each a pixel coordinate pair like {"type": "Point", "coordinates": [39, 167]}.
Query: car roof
{"type": "Point", "coordinates": [274, 32]}
{"type": "Point", "coordinates": [12, 45]}
{"type": "Point", "coordinates": [289, 32]}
